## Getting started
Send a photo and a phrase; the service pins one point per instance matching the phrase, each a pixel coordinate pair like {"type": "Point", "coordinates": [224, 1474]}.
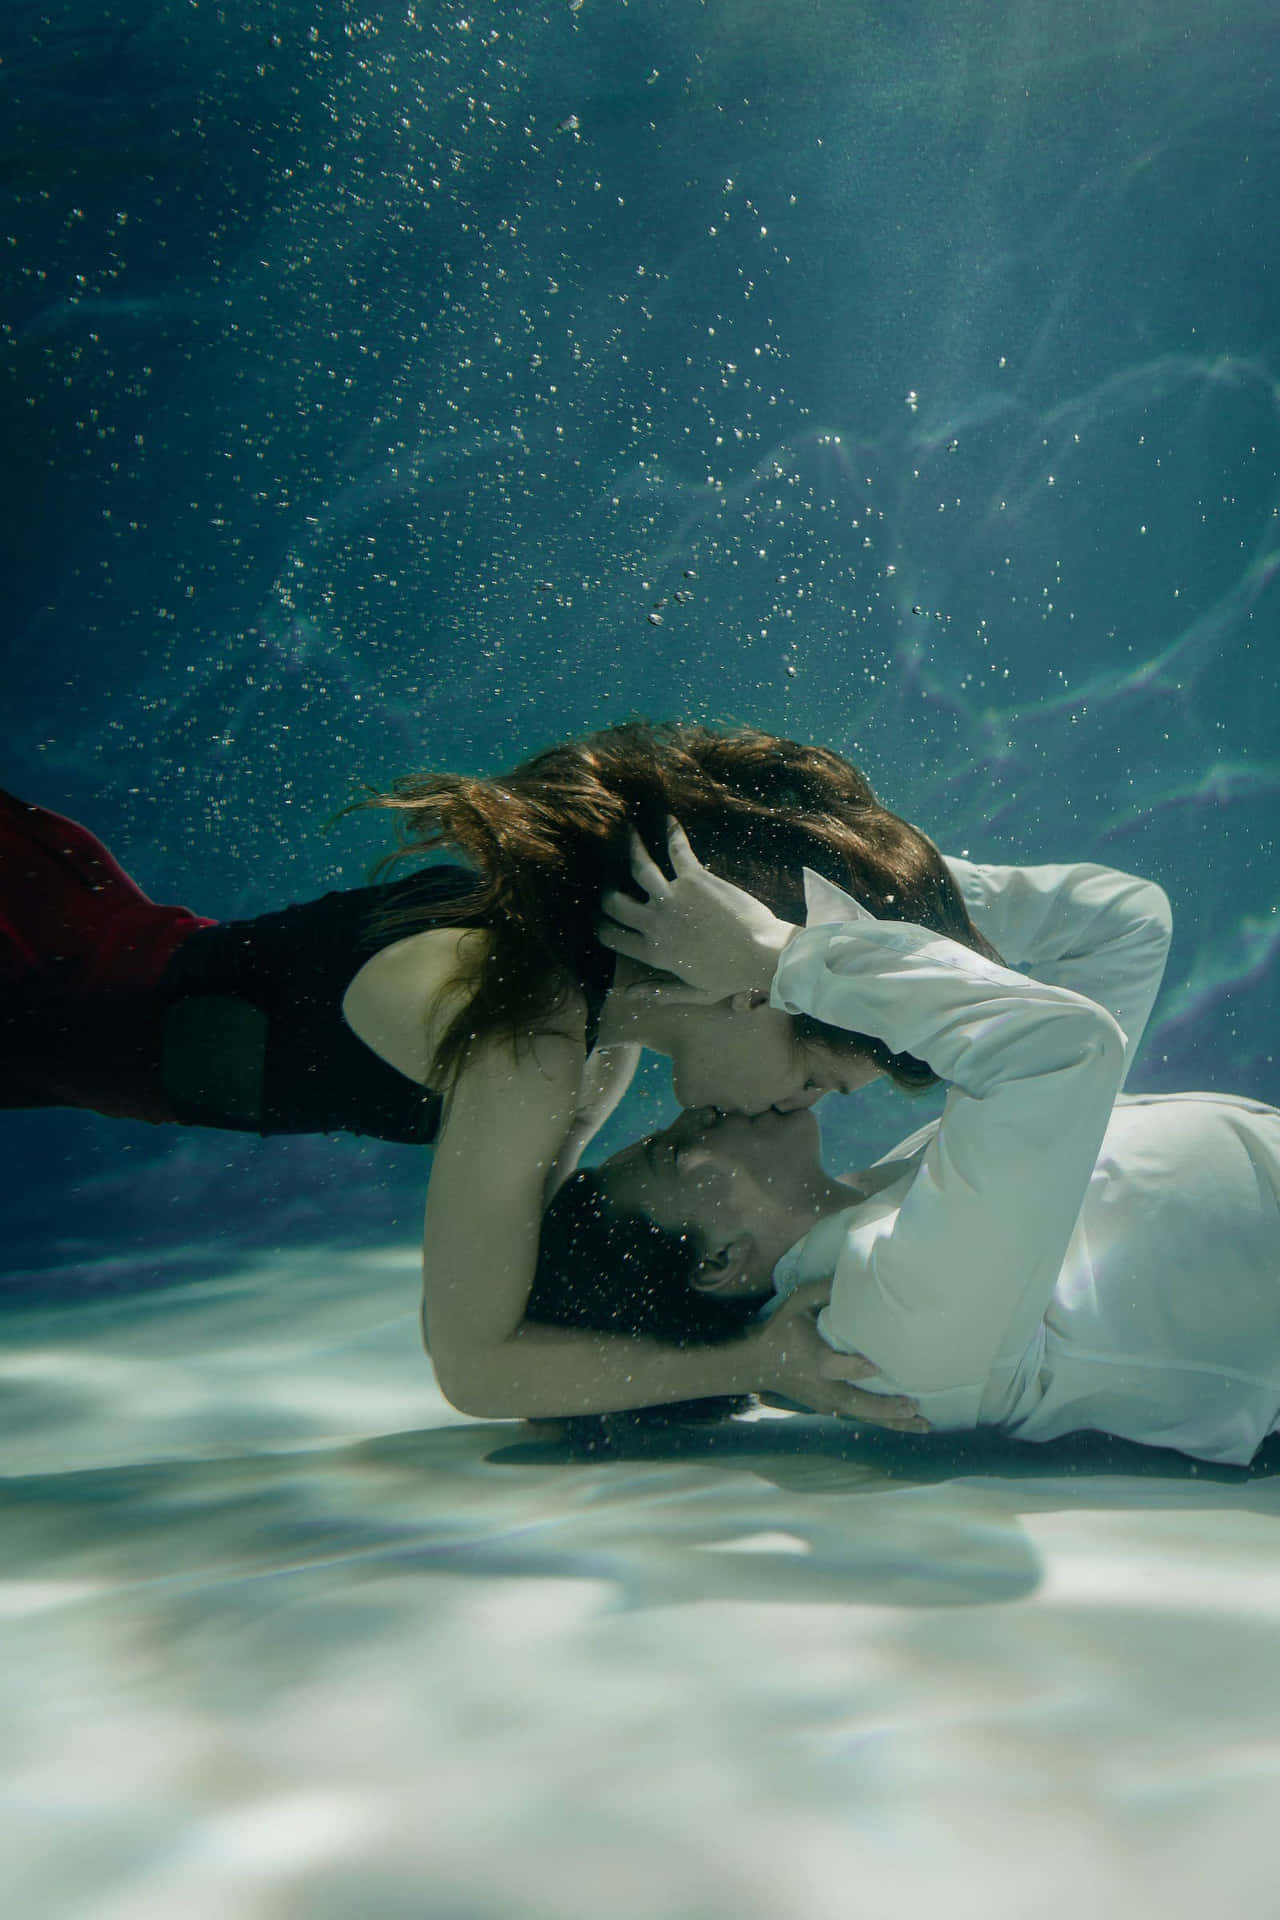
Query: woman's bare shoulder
{"type": "Point", "coordinates": [405, 997]}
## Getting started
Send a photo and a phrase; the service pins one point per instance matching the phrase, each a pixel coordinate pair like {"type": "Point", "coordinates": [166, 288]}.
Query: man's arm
{"type": "Point", "coordinates": [1100, 932]}
{"type": "Point", "coordinates": [950, 1286]}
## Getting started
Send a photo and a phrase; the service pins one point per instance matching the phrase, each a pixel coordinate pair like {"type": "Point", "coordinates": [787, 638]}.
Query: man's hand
{"type": "Point", "coordinates": [705, 930]}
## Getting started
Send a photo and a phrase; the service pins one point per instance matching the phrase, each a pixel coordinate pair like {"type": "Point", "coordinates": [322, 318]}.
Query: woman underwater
{"type": "Point", "coordinates": [472, 1008]}
{"type": "Point", "coordinates": [1051, 1256]}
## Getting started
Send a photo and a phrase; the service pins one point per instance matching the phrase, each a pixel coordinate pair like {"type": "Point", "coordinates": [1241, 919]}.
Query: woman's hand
{"type": "Point", "coordinates": [705, 930]}
{"type": "Point", "coordinates": [798, 1365]}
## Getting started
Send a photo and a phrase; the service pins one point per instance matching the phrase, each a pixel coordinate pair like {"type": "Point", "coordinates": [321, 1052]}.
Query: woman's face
{"type": "Point", "coordinates": [722, 1176]}
{"type": "Point", "coordinates": [748, 1060]}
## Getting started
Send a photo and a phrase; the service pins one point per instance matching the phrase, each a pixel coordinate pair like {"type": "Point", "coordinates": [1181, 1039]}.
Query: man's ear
{"type": "Point", "coordinates": [725, 1266]}
{"type": "Point", "coordinates": [747, 999]}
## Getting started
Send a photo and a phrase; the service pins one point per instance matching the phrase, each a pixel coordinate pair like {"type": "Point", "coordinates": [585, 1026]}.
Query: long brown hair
{"type": "Point", "coordinates": [546, 840]}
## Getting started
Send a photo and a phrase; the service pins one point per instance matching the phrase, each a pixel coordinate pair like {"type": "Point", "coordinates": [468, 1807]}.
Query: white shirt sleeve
{"type": "Point", "coordinates": [953, 1282]}
{"type": "Point", "coordinates": [1100, 932]}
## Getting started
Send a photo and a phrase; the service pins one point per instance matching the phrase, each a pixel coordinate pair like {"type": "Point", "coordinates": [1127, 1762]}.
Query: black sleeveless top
{"type": "Point", "coordinates": [255, 1037]}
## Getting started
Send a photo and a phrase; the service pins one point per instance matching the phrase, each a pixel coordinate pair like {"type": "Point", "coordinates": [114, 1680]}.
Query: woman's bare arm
{"type": "Point", "coordinates": [404, 997]}
{"type": "Point", "coordinates": [507, 1119]}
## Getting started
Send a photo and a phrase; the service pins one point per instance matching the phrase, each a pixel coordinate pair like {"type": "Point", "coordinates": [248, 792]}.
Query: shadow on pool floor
{"type": "Point", "coordinates": [923, 1458]}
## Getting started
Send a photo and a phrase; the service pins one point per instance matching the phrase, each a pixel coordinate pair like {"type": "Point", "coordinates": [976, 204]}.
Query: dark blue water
{"type": "Point", "coordinates": [374, 379]}
{"type": "Point", "coordinates": [376, 376]}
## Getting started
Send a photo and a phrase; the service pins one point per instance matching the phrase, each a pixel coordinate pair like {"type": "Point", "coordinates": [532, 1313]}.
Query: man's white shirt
{"type": "Point", "coordinates": [1050, 1255]}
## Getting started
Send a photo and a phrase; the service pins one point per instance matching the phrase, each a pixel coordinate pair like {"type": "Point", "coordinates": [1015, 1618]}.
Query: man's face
{"type": "Point", "coordinates": [725, 1178]}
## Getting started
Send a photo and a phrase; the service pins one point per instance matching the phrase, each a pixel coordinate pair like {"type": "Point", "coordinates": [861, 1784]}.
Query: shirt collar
{"type": "Point", "coordinates": [827, 905]}
{"type": "Point", "coordinates": [816, 1256]}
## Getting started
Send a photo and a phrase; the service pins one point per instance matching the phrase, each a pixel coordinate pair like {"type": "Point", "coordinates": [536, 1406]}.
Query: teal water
{"type": "Point", "coordinates": [375, 379]}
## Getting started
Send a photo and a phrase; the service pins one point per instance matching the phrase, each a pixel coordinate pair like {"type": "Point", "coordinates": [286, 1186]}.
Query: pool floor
{"type": "Point", "coordinates": [284, 1636]}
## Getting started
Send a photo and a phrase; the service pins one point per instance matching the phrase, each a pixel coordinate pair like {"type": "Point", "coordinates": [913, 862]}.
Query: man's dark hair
{"type": "Point", "coordinates": [609, 1271]}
